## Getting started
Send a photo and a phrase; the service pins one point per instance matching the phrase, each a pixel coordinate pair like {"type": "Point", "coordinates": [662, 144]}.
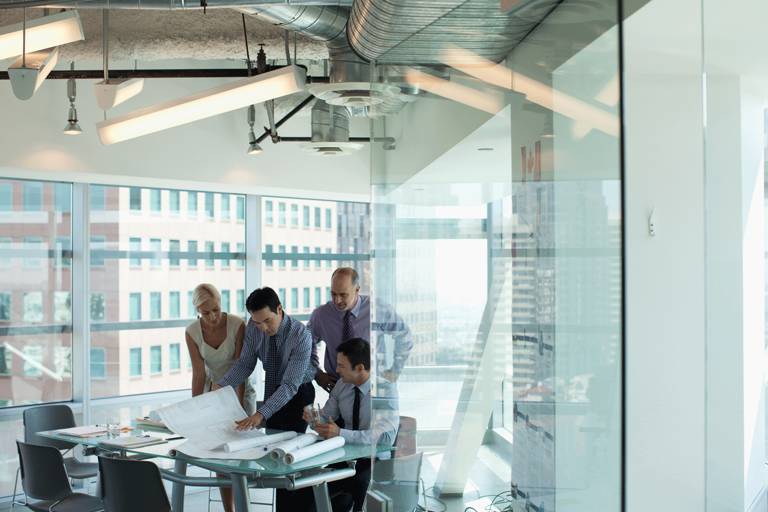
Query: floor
{"type": "Point", "coordinates": [488, 481]}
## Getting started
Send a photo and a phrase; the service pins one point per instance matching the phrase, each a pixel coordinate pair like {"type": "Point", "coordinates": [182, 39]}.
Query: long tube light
{"type": "Point", "coordinates": [42, 33]}
{"type": "Point", "coordinates": [536, 92]}
{"type": "Point", "coordinates": [486, 101]}
{"type": "Point", "coordinates": [209, 103]}
{"type": "Point", "coordinates": [28, 73]}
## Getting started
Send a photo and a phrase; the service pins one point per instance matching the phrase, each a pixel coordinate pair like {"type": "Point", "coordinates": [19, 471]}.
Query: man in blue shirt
{"type": "Point", "coordinates": [284, 346]}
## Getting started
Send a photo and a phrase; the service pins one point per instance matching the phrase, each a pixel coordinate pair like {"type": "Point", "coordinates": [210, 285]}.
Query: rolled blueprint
{"type": "Point", "coordinates": [255, 441]}
{"type": "Point", "coordinates": [278, 451]}
{"type": "Point", "coordinates": [312, 450]}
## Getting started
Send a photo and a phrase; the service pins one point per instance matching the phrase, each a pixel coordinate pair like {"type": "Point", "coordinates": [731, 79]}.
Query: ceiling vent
{"type": "Point", "coordinates": [330, 131]}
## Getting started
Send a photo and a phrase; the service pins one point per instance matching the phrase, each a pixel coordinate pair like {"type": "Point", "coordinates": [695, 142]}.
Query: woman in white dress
{"type": "Point", "coordinates": [214, 341]}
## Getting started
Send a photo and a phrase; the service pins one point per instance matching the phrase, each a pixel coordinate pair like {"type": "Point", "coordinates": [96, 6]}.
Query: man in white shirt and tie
{"type": "Point", "coordinates": [350, 400]}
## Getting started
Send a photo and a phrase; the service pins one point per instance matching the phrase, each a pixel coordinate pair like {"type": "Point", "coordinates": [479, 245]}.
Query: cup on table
{"type": "Point", "coordinates": [113, 429]}
{"type": "Point", "coordinates": [314, 414]}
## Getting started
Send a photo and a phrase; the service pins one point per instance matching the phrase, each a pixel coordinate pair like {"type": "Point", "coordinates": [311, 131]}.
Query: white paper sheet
{"type": "Point", "coordinates": [207, 422]}
{"type": "Point", "coordinates": [278, 451]}
{"type": "Point", "coordinates": [260, 441]}
{"type": "Point", "coordinates": [312, 450]}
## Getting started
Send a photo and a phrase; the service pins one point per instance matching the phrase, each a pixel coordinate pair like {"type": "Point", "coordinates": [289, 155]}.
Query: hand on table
{"type": "Point", "coordinates": [327, 430]}
{"type": "Point", "coordinates": [250, 422]}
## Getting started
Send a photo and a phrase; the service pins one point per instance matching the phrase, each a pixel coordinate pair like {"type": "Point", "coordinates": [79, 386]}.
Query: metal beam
{"type": "Point", "coordinates": [98, 74]}
{"type": "Point", "coordinates": [295, 110]}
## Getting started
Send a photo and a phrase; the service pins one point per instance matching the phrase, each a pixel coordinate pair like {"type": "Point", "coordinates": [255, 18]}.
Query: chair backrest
{"type": "Point", "coordinates": [399, 478]}
{"type": "Point", "coordinates": [43, 476]}
{"type": "Point", "coordinates": [47, 417]}
{"type": "Point", "coordinates": [132, 485]}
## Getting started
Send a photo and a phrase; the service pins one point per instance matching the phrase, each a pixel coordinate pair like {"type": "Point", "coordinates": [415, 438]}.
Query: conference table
{"type": "Point", "coordinates": [237, 473]}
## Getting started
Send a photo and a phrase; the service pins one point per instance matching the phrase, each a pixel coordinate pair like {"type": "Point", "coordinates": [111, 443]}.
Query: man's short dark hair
{"type": "Point", "coordinates": [358, 351]}
{"type": "Point", "coordinates": [261, 298]}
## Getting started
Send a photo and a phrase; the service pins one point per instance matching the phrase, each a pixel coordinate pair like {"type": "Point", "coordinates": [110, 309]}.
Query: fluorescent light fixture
{"type": "Point", "coordinates": [209, 103]}
{"type": "Point", "coordinates": [42, 33]}
{"type": "Point", "coordinates": [485, 101]}
{"type": "Point", "coordinates": [111, 94]}
{"type": "Point", "coordinates": [27, 77]}
{"type": "Point", "coordinates": [535, 91]}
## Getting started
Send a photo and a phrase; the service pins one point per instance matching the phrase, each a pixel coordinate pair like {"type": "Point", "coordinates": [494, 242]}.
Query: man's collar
{"type": "Point", "coordinates": [365, 387]}
{"type": "Point", "coordinates": [358, 305]}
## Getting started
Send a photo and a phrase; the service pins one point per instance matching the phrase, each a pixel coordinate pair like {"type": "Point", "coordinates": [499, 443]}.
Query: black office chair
{"type": "Point", "coordinates": [44, 479]}
{"type": "Point", "coordinates": [132, 485]}
{"type": "Point", "coordinates": [399, 479]}
{"type": "Point", "coordinates": [53, 417]}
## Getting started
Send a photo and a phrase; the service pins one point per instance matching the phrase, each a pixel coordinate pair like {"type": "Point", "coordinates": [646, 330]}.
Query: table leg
{"type": "Point", "coordinates": [322, 498]}
{"type": "Point", "coordinates": [240, 493]}
{"type": "Point", "coordinates": [177, 494]}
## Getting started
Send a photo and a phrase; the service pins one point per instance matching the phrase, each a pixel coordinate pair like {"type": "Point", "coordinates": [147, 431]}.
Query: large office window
{"type": "Point", "coordinates": [294, 215]}
{"type": "Point", "coordinates": [35, 295]}
{"type": "Point", "coordinates": [294, 252]}
{"type": "Point", "coordinates": [318, 218]}
{"type": "Point", "coordinates": [281, 214]}
{"type": "Point", "coordinates": [240, 201]}
{"type": "Point", "coordinates": [134, 244]}
{"type": "Point", "coordinates": [281, 249]}
{"type": "Point", "coordinates": [98, 198]}
{"type": "Point", "coordinates": [98, 363]}
{"type": "Point", "coordinates": [305, 217]}
{"type": "Point", "coordinates": [149, 310]}
{"type": "Point", "coordinates": [294, 299]}
{"type": "Point", "coordinates": [269, 213]}
{"type": "Point", "coordinates": [174, 202]}
{"type": "Point", "coordinates": [225, 208]}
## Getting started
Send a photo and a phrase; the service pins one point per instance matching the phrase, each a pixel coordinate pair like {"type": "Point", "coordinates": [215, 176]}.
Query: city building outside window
{"type": "Point", "coordinates": [33, 307]}
{"type": "Point", "coordinates": [281, 214]}
{"type": "Point", "coordinates": [295, 252]}
{"type": "Point", "coordinates": [192, 247]}
{"type": "Point", "coordinates": [240, 298]}
{"type": "Point", "coordinates": [63, 243]}
{"type": "Point", "coordinates": [33, 243]}
{"type": "Point", "coordinates": [98, 200]}
{"type": "Point", "coordinates": [306, 298]}
{"type": "Point", "coordinates": [318, 219]}
{"type": "Point", "coordinates": [328, 218]}
{"type": "Point", "coordinates": [328, 262]}
{"type": "Point", "coordinates": [267, 258]}
{"type": "Point", "coordinates": [241, 250]}
{"type": "Point", "coordinates": [98, 363]}
{"type": "Point", "coordinates": [318, 296]}
{"type": "Point", "coordinates": [209, 249]}
{"type": "Point", "coordinates": [209, 208]}
{"type": "Point", "coordinates": [305, 212]}
{"type": "Point", "coordinates": [174, 246]}
{"type": "Point", "coordinates": [5, 306]}
{"type": "Point", "coordinates": [134, 306]}
{"type": "Point", "coordinates": [62, 307]}
{"type": "Point", "coordinates": [97, 306]}
{"type": "Point", "coordinates": [318, 251]}
{"type": "Point", "coordinates": [294, 299]}
{"type": "Point", "coordinates": [240, 209]}
{"type": "Point", "coordinates": [134, 244]}
{"type": "Point", "coordinates": [62, 197]}
{"type": "Point", "coordinates": [98, 245]}
{"type": "Point", "coordinates": [174, 357]}
{"type": "Point", "coordinates": [135, 362]}
{"type": "Point", "coordinates": [305, 263]}
{"type": "Point", "coordinates": [174, 201]}
{"type": "Point", "coordinates": [6, 361]}
{"type": "Point", "coordinates": [225, 249]}
{"type": "Point", "coordinates": [191, 311]}
{"type": "Point", "coordinates": [33, 196]}
{"type": "Point", "coordinates": [225, 300]}
{"type": "Point", "coordinates": [281, 293]}
{"type": "Point", "coordinates": [155, 245]}
{"type": "Point", "coordinates": [155, 359]}
{"type": "Point", "coordinates": [6, 243]}
{"type": "Point", "coordinates": [62, 361]}
{"type": "Point", "coordinates": [155, 200]}
{"type": "Point", "coordinates": [6, 197]}
{"type": "Point", "coordinates": [174, 305]}
{"type": "Point", "coordinates": [135, 199]}
{"type": "Point", "coordinates": [269, 214]}
{"type": "Point", "coordinates": [294, 215]}
{"type": "Point", "coordinates": [225, 210]}
{"type": "Point", "coordinates": [192, 204]}
{"type": "Point", "coordinates": [281, 249]}
{"type": "Point", "coordinates": [33, 360]}
{"type": "Point", "coordinates": [155, 306]}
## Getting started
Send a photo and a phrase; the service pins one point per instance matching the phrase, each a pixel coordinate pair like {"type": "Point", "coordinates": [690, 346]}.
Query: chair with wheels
{"type": "Point", "coordinates": [45, 480]}
{"type": "Point", "coordinates": [131, 485]}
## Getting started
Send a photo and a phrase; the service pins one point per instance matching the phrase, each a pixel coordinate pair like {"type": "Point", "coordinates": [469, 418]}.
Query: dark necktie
{"type": "Point", "coordinates": [271, 368]}
{"type": "Point", "coordinates": [356, 410]}
{"type": "Point", "coordinates": [346, 331]}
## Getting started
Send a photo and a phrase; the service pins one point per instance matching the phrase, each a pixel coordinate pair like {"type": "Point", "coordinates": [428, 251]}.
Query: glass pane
{"type": "Point", "coordinates": [497, 240]}
{"type": "Point", "coordinates": [305, 250]}
{"type": "Point", "coordinates": [35, 293]}
{"type": "Point", "coordinates": [148, 265]}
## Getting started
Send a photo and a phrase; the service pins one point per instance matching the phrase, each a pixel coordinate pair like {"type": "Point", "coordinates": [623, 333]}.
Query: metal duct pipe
{"type": "Point", "coordinates": [327, 24]}
{"type": "Point", "coordinates": [329, 123]}
{"type": "Point", "coordinates": [165, 5]}
{"type": "Point", "coordinates": [414, 31]}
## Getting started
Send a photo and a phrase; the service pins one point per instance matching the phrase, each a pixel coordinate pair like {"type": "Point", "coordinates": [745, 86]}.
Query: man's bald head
{"type": "Point", "coordinates": [345, 288]}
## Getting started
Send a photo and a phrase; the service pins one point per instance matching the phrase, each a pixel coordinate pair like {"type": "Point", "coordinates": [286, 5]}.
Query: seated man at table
{"type": "Point", "coordinates": [350, 400]}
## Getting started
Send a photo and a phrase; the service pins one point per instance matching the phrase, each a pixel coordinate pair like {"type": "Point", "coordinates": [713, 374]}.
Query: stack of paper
{"type": "Point", "coordinates": [84, 431]}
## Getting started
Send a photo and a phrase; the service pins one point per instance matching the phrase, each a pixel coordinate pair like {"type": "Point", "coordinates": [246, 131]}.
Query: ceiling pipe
{"type": "Point", "coordinates": [164, 5]}
{"type": "Point", "coordinates": [97, 74]}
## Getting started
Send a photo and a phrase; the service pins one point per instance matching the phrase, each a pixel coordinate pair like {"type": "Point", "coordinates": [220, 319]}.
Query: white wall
{"type": "Point", "coordinates": [208, 154]}
{"type": "Point", "coordinates": [664, 274]}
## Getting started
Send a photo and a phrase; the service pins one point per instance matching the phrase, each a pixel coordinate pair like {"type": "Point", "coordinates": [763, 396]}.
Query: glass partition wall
{"type": "Point", "coordinates": [497, 226]}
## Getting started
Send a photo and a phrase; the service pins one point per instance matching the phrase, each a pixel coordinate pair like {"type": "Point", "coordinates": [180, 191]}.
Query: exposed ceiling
{"type": "Point", "coordinates": [154, 35]}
